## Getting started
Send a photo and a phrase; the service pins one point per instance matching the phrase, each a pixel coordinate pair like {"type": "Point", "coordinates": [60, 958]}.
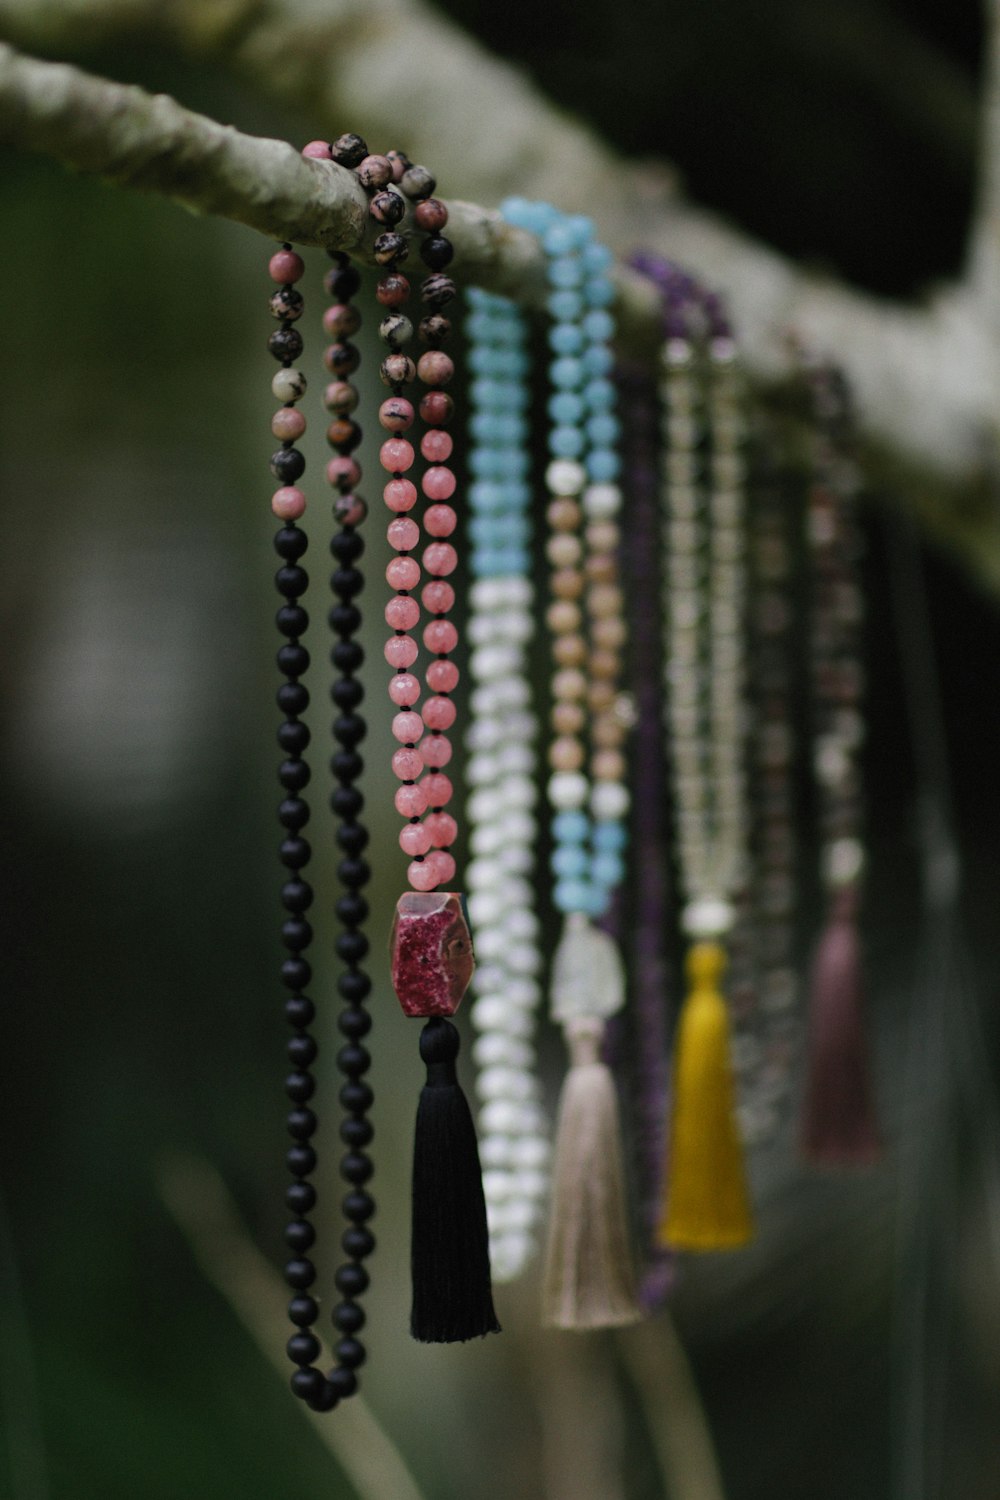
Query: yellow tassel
{"type": "Point", "coordinates": [707, 1205]}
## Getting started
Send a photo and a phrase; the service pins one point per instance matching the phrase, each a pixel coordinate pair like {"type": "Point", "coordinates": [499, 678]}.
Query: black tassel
{"type": "Point", "coordinates": [449, 1251]}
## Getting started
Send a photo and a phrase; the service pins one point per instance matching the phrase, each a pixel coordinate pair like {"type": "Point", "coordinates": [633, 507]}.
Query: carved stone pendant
{"type": "Point", "coordinates": [432, 957]}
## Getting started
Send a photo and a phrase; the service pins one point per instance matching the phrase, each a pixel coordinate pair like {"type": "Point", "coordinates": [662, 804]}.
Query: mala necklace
{"type": "Point", "coordinates": [589, 1276]}
{"type": "Point", "coordinates": [706, 1205]}
{"type": "Point", "coordinates": [501, 807]}
{"type": "Point", "coordinates": [320, 1392]}
{"type": "Point", "coordinates": [838, 1122]}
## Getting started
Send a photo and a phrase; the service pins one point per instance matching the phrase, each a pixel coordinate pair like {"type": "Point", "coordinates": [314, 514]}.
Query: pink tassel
{"type": "Point", "coordinates": [838, 1119]}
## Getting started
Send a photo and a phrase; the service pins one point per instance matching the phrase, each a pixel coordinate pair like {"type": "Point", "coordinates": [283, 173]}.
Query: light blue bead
{"type": "Point", "coordinates": [566, 338]}
{"type": "Point", "coordinates": [481, 360]}
{"type": "Point", "coordinates": [599, 326]}
{"type": "Point", "coordinates": [566, 273]}
{"type": "Point", "coordinates": [607, 870]}
{"type": "Point", "coordinates": [600, 395]}
{"type": "Point", "coordinates": [582, 229]}
{"type": "Point", "coordinates": [603, 465]}
{"type": "Point", "coordinates": [603, 429]}
{"type": "Point", "coordinates": [486, 496]}
{"type": "Point", "coordinates": [566, 442]}
{"type": "Point", "coordinates": [559, 239]}
{"type": "Point", "coordinates": [598, 900]}
{"type": "Point", "coordinates": [476, 297]}
{"type": "Point", "coordinates": [570, 827]}
{"type": "Point", "coordinates": [565, 306]}
{"type": "Point", "coordinates": [565, 407]}
{"type": "Point", "coordinates": [599, 292]}
{"type": "Point", "coordinates": [512, 463]}
{"type": "Point", "coordinates": [512, 363]}
{"type": "Point", "coordinates": [498, 531]}
{"type": "Point", "coordinates": [597, 257]}
{"type": "Point", "coordinates": [569, 862]}
{"type": "Point", "coordinates": [485, 426]}
{"type": "Point", "coordinates": [597, 360]}
{"type": "Point", "coordinates": [572, 895]}
{"type": "Point", "coordinates": [610, 838]}
{"type": "Point", "coordinates": [567, 374]}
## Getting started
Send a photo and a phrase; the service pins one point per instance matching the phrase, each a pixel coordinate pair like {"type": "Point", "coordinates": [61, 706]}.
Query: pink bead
{"type": "Point", "coordinates": [286, 267]}
{"type": "Point", "coordinates": [421, 876]}
{"type": "Point", "coordinates": [440, 520]}
{"type": "Point", "coordinates": [407, 765]}
{"type": "Point", "coordinates": [343, 472]}
{"type": "Point", "coordinates": [401, 651]}
{"type": "Point", "coordinates": [400, 494]}
{"type": "Point", "coordinates": [437, 786]}
{"type": "Point", "coordinates": [396, 455]}
{"type": "Point", "coordinates": [436, 446]}
{"type": "Point", "coordinates": [403, 573]}
{"type": "Point", "coordinates": [414, 839]}
{"type": "Point", "coordinates": [340, 396]}
{"type": "Point", "coordinates": [396, 414]}
{"type": "Point", "coordinates": [402, 613]}
{"type": "Point", "coordinates": [374, 171]}
{"type": "Point", "coordinates": [341, 320]}
{"type": "Point", "coordinates": [349, 510]}
{"type": "Point", "coordinates": [404, 689]}
{"type": "Point", "coordinates": [318, 149]}
{"type": "Point", "coordinates": [440, 636]}
{"type": "Point", "coordinates": [442, 828]}
{"type": "Point", "coordinates": [288, 503]}
{"type": "Point", "coordinates": [440, 558]}
{"type": "Point", "coordinates": [438, 713]}
{"type": "Point", "coordinates": [287, 424]}
{"type": "Point", "coordinates": [438, 483]}
{"type": "Point", "coordinates": [436, 750]}
{"type": "Point", "coordinates": [437, 408]}
{"type": "Point", "coordinates": [438, 597]}
{"type": "Point", "coordinates": [411, 801]}
{"type": "Point", "coordinates": [441, 676]}
{"type": "Point", "coordinates": [442, 865]}
{"type": "Point", "coordinates": [403, 534]}
{"type": "Point", "coordinates": [407, 728]}
{"type": "Point", "coordinates": [435, 367]}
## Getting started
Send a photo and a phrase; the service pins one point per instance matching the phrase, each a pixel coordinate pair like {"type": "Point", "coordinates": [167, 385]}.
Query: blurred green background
{"type": "Point", "coordinates": [142, 1021]}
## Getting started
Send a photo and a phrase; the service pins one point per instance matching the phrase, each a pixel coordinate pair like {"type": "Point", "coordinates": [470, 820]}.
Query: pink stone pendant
{"type": "Point", "coordinates": [431, 947]}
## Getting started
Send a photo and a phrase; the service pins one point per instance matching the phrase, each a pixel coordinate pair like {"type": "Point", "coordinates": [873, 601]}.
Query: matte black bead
{"type": "Point", "coordinates": [294, 775]}
{"type": "Point", "coordinates": [307, 1383]}
{"type": "Point", "coordinates": [342, 282]}
{"type": "Point", "coordinates": [343, 1382]}
{"type": "Point", "coordinates": [302, 1125]}
{"type": "Point", "coordinates": [296, 974]}
{"type": "Point", "coordinates": [351, 1280]}
{"type": "Point", "coordinates": [290, 542]}
{"type": "Point", "coordinates": [346, 765]}
{"type": "Point", "coordinates": [349, 150]}
{"type": "Point", "coordinates": [303, 1348]}
{"type": "Point", "coordinates": [300, 1236]}
{"type": "Point", "coordinates": [348, 1317]}
{"type": "Point", "coordinates": [352, 909]}
{"type": "Point", "coordinates": [350, 1353]}
{"type": "Point", "coordinates": [348, 692]}
{"type": "Point", "coordinates": [356, 1095]}
{"type": "Point", "coordinates": [352, 837]}
{"type": "Point", "coordinates": [359, 1207]}
{"type": "Point", "coordinates": [302, 1051]}
{"type": "Point", "coordinates": [358, 1243]}
{"type": "Point", "coordinates": [352, 947]}
{"type": "Point", "coordinates": [293, 813]}
{"type": "Point", "coordinates": [294, 853]}
{"type": "Point", "coordinates": [439, 1042]}
{"type": "Point", "coordinates": [390, 248]}
{"type": "Point", "coordinates": [353, 1060]}
{"type": "Point", "coordinates": [291, 581]}
{"type": "Point", "coordinates": [437, 252]}
{"type": "Point", "coordinates": [347, 801]}
{"type": "Point", "coordinates": [294, 736]}
{"type": "Point", "coordinates": [296, 933]}
{"type": "Point", "coordinates": [326, 1400]}
{"type": "Point", "coordinates": [356, 1168]}
{"type": "Point", "coordinates": [357, 1133]}
{"type": "Point", "coordinates": [354, 1024]}
{"type": "Point", "coordinates": [300, 1273]}
{"type": "Point", "coordinates": [344, 619]}
{"type": "Point", "coordinates": [287, 465]}
{"type": "Point", "coordinates": [341, 359]}
{"type": "Point", "coordinates": [292, 620]}
{"type": "Point", "coordinates": [303, 1310]}
{"type": "Point", "coordinates": [347, 546]}
{"type": "Point", "coordinates": [354, 987]}
{"type": "Point", "coordinates": [350, 730]}
{"type": "Point", "coordinates": [293, 698]}
{"type": "Point", "coordinates": [347, 656]}
{"type": "Point", "coordinates": [347, 582]}
{"type": "Point", "coordinates": [297, 895]}
{"type": "Point", "coordinates": [285, 344]}
{"type": "Point", "coordinates": [300, 1197]}
{"type": "Point", "coordinates": [437, 291]}
{"type": "Point", "coordinates": [300, 1160]}
{"type": "Point", "coordinates": [354, 872]}
{"type": "Point", "coordinates": [293, 660]}
{"type": "Point", "coordinates": [300, 1086]}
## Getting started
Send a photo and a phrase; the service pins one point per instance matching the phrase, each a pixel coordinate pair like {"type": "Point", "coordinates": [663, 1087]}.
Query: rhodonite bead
{"type": "Point", "coordinates": [343, 472]}
{"type": "Point", "coordinates": [430, 215]}
{"type": "Point", "coordinates": [374, 171]}
{"type": "Point", "coordinates": [349, 150]}
{"type": "Point", "coordinates": [435, 367]}
{"type": "Point", "coordinates": [286, 303]}
{"type": "Point", "coordinates": [286, 267]}
{"type": "Point", "coordinates": [349, 510]}
{"type": "Point", "coordinates": [287, 424]}
{"type": "Point", "coordinates": [392, 290]}
{"type": "Point", "coordinates": [432, 955]}
{"type": "Point", "coordinates": [437, 408]}
{"type": "Point", "coordinates": [387, 207]}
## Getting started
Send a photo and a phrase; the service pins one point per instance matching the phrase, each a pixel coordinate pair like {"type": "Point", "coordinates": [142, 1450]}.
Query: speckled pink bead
{"type": "Point", "coordinates": [441, 676]}
{"type": "Point", "coordinates": [343, 472]}
{"type": "Point", "coordinates": [436, 446]}
{"type": "Point", "coordinates": [435, 367]}
{"type": "Point", "coordinates": [396, 414]}
{"type": "Point", "coordinates": [438, 597]}
{"type": "Point", "coordinates": [401, 651]}
{"type": "Point", "coordinates": [440, 520]}
{"type": "Point", "coordinates": [402, 613]}
{"type": "Point", "coordinates": [411, 801]}
{"type": "Point", "coordinates": [403, 573]}
{"type": "Point", "coordinates": [374, 171]}
{"type": "Point", "coordinates": [440, 636]}
{"type": "Point", "coordinates": [340, 396]}
{"type": "Point", "coordinates": [438, 787]}
{"type": "Point", "coordinates": [438, 483]}
{"type": "Point", "coordinates": [402, 534]}
{"type": "Point", "coordinates": [438, 713]}
{"type": "Point", "coordinates": [442, 865]}
{"type": "Point", "coordinates": [319, 150]}
{"type": "Point", "coordinates": [436, 751]}
{"type": "Point", "coordinates": [442, 828]}
{"type": "Point", "coordinates": [400, 494]}
{"type": "Point", "coordinates": [286, 267]}
{"type": "Point", "coordinates": [414, 839]}
{"type": "Point", "coordinates": [407, 727]}
{"type": "Point", "coordinates": [396, 455]}
{"type": "Point", "coordinates": [422, 875]}
{"type": "Point", "coordinates": [440, 558]}
{"type": "Point", "coordinates": [349, 510]}
{"type": "Point", "coordinates": [404, 690]}
{"type": "Point", "coordinates": [288, 503]}
{"type": "Point", "coordinates": [287, 424]}
{"type": "Point", "coordinates": [407, 765]}
{"type": "Point", "coordinates": [341, 320]}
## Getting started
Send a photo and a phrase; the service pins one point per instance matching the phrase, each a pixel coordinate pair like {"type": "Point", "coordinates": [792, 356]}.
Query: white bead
{"type": "Point", "coordinates": [522, 924]}
{"type": "Point", "coordinates": [289, 385]}
{"type": "Point", "coordinates": [492, 1013]}
{"type": "Point", "coordinates": [481, 768]}
{"type": "Point", "coordinates": [506, 1083]}
{"type": "Point", "coordinates": [523, 958]}
{"type": "Point", "coordinates": [564, 476]}
{"type": "Point", "coordinates": [494, 660]}
{"type": "Point", "coordinates": [530, 1152]}
{"type": "Point", "coordinates": [844, 860]}
{"type": "Point", "coordinates": [485, 805]}
{"type": "Point", "coordinates": [516, 859]}
{"type": "Point", "coordinates": [707, 917]}
{"type": "Point", "coordinates": [524, 991]}
{"type": "Point", "coordinates": [497, 1186]}
{"type": "Point", "coordinates": [485, 907]}
{"type": "Point", "coordinates": [609, 800]}
{"type": "Point", "coordinates": [508, 1116]}
{"type": "Point", "coordinates": [567, 790]}
{"type": "Point", "coordinates": [510, 1252]}
{"type": "Point", "coordinates": [494, 1050]}
{"type": "Point", "coordinates": [519, 1213]}
{"type": "Point", "coordinates": [519, 792]}
{"type": "Point", "coordinates": [514, 758]}
{"type": "Point", "coordinates": [529, 1185]}
{"type": "Point", "coordinates": [601, 501]}
{"type": "Point", "coordinates": [496, 1151]}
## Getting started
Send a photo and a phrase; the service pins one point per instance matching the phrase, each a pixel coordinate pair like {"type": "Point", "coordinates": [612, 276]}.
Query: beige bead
{"type": "Point", "coordinates": [568, 718]}
{"type": "Point", "coordinates": [607, 733]}
{"type": "Point", "coordinates": [563, 617]}
{"type": "Point", "coordinates": [563, 550]}
{"type": "Point", "coordinates": [608, 765]}
{"type": "Point", "coordinates": [567, 583]}
{"type": "Point", "coordinates": [569, 685]}
{"type": "Point", "coordinates": [609, 633]}
{"type": "Point", "coordinates": [564, 514]}
{"type": "Point", "coordinates": [566, 754]}
{"type": "Point", "coordinates": [604, 601]}
{"type": "Point", "coordinates": [570, 650]}
{"type": "Point", "coordinates": [601, 569]}
{"type": "Point", "coordinates": [605, 665]}
{"type": "Point", "coordinates": [601, 696]}
{"type": "Point", "coordinates": [602, 536]}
